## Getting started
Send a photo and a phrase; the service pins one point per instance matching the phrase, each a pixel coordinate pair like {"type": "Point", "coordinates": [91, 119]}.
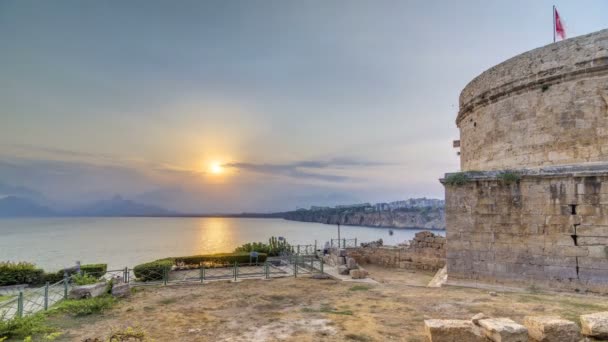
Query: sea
{"type": "Point", "coordinates": [56, 243]}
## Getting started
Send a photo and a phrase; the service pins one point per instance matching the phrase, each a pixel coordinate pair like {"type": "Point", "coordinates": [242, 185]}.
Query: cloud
{"type": "Point", "coordinates": [307, 169]}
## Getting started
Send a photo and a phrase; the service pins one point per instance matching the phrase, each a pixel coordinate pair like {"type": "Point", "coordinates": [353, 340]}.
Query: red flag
{"type": "Point", "coordinates": [560, 30]}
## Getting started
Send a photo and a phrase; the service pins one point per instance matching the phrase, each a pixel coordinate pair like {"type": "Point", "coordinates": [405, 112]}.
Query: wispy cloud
{"type": "Point", "coordinates": [307, 169]}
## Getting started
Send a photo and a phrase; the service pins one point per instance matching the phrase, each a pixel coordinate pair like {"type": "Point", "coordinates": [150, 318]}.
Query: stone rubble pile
{"type": "Point", "coordinates": [594, 327]}
{"type": "Point", "coordinates": [426, 251]}
{"type": "Point", "coordinates": [345, 265]}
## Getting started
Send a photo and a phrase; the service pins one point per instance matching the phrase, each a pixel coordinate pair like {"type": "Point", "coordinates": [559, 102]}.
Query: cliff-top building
{"type": "Point", "coordinates": [531, 204]}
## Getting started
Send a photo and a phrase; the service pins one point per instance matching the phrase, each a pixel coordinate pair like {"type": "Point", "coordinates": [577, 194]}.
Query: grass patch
{"type": "Point", "coordinates": [358, 337]}
{"type": "Point", "coordinates": [5, 297]}
{"type": "Point", "coordinates": [25, 327]}
{"type": "Point", "coordinates": [328, 309]}
{"type": "Point", "coordinates": [84, 307]}
{"type": "Point", "coordinates": [128, 334]}
{"type": "Point", "coordinates": [456, 179]}
{"type": "Point", "coordinates": [359, 288]}
{"type": "Point", "coordinates": [167, 301]}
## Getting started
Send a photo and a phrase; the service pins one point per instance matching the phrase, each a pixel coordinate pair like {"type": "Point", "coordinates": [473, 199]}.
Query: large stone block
{"type": "Point", "coordinates": [551, 328]}
{"type": "Point", "coordinates": [121, 290]}
{"type": "Point", "coordinates": [503, 330]}
{"type": "Point", "coordinates": [87, 291]}
{"type": "Point", "coordinates": [595, 325]}
{"type": "Point", "coordinates": [451, 330]}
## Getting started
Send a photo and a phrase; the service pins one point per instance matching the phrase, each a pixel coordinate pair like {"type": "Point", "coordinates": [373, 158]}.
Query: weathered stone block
{"type": "Point", "coordinates": [551, 328]}
{"type": "Point", "coordinates": [451, 330]}
{"type": "Point", "coordinates": [87, 291]}
{"type": "Point", "coordinates": [121, 290]}
{"type": "Point", "coordinates": [595, 325]}
{"type": "Point", "coordinates": [503, 330]}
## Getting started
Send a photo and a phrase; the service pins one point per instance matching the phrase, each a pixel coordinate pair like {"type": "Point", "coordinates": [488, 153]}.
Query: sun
{"type": "Point", "coordinates": [216, 168]}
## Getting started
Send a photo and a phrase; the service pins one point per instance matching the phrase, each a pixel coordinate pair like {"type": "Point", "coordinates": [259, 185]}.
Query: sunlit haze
{"type": "Point", "coordinates": [215, 106]}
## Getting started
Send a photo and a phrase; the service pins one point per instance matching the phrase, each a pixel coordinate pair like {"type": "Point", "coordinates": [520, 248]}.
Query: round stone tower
{"type": "Point", "coordinates": [548, 106]}
{"type": "Point", "coordinates": [530, 206]}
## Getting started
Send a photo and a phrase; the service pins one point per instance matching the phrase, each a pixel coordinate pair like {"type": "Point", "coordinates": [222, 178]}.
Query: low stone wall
{"type": "Point", "coordinates": [425, 252]}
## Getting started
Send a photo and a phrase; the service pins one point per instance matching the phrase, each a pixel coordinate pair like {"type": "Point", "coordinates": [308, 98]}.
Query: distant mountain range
{"type": "Point", "coordinates": [14, 206]}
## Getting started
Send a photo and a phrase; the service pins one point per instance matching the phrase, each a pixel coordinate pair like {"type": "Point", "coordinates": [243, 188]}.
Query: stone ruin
{"type": "Point", "coordinates": [344, 264]}
{"type": "Point", "coordinates": [530, 207]}
{"type": "Point", "coordinates": [594, 327]}
{"type": "Point", "coordinates": [425, 252]}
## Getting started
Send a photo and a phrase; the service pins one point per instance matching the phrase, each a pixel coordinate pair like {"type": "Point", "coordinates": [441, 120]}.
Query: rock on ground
{"type": "Point", "coordinates": [440, 278]}
{"type": "Point", "coordinates": [451, 330]}
{"type": "Point", "coordinates": [343, 269]}
{"type": "Point", "coordinates": [121, 290]}
{"type": "Point", "coordinates": [478, 317]}
{"type": "Point", "coordinates": [503, 330]}
{"type": "Point", "coordinates": [551, 328]}
{"type": "Point", "coordinates": [595, 325]}
{"type": "Point", "coordinates": [87, 291]}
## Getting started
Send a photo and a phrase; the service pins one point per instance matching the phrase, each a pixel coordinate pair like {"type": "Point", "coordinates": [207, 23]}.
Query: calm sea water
{"type": "Point", "coordinates": [54, 243]}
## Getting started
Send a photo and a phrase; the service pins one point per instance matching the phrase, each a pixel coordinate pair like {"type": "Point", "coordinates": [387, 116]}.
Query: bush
{"type": "Point", "coordinates": [84, 279]}
{"type": "Point", "coordinates": [274, 247]}
{"type": "Point", "coordinates": [24, 326]}
{"type": "Point", "coordinates": [84, 307]}
{"type": "Point", "coordinates": [153, 270]}
{"type": "Point", "coordinates": [456, 179]}
{"type": "Point", "coordinates": [14, 273]}
{"type": "Point", "coordinates": [92, 269]}
{"type": "Point", "coordinates": [220, 258]}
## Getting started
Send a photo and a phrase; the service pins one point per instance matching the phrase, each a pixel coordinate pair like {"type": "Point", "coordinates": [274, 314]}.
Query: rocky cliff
{"type": "Point", "coordinates": [428, 218]}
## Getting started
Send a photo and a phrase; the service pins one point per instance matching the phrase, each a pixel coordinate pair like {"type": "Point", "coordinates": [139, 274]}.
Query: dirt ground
{"type": "Point", "coordinates": [306, 309]}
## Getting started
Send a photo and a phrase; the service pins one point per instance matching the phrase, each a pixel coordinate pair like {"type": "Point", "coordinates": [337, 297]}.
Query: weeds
{"type": "Point", "coordinates": [128, 334]}
{"type": "Point", "coordinates": [84, 307]}
{"type": "Point", "coordinates": [167, 301]}
{"type": "Point", "coordinates": [359, 288]}
{"type": "Point", "coordinates": [358, 337]}
{"type": "Point", "coordinates": [23, 327]}
{"type": "Point", "coordinates": [456, 179]}
{"type": "Point", "coordinates": [508, 177]}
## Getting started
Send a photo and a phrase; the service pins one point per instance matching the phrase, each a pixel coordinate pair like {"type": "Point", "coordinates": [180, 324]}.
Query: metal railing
{"type": "Point", "coordinates": [343, 243]}
{"type": "Point", "coordinates": [27, 301]}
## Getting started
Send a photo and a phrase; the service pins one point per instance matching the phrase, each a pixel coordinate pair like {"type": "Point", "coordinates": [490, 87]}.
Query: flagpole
{"type": "Point", "coordinates": [553, 14]}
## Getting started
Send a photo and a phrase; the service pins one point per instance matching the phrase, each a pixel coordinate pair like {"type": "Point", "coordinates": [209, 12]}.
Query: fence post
{"type": "Point", "coordinates": [298, 249]}
{"type": "Point", "coordinates": [202, 274]}
{"type": "Point", "coordinates": [236, 270]}
{"type": "Point", "coordinates": [343, 243]}
{"type": "Point", "coordinates": [315, 253]}
{"type": "Point", "coordinates": [312, 265]}
{"type": "Point", "coordinates": [46, 296]}
{"type": "Point", "coordinates": [125, 275]}
{"type": "Point", "coordinates": [295, 267]}
{"type": "Point", "coordinates": [165, 276]}
{"type": "Point", "coordinates": [65, 286]}
{"type": "Point", "coordinates": [266, 270]}
{"type": "Point", "coordinates": [322, 262]}
{"type": "Point", "coordinates": [355, 242]}
{"type": "Point", "coordinates": [20, 304]}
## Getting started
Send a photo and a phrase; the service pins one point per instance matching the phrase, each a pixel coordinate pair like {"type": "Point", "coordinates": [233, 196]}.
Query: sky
{"type": "Point", "coordinates": [230, 106]}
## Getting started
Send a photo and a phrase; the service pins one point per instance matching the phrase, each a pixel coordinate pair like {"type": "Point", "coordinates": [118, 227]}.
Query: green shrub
{"type": "Point", "coordinates": [220, 258]}
{"type": "Point", "coordinates": [84, 307]}
{"type": "Point", "coordinates": [457, 179]}
{"type": "Point", "coordinates": [52, 278]}
{"type": "Point", "coordinates": [274, 247]}
{"type": "Point", "coordinates": [509, 177]}
{"type": "Point", "coordinates": [153, 270]}
{"type": "Point", "coordinates": [84, 279]}
{"type": "Point", "coordinates": [92, 269]}
{"type": "Point", "coordinates": [14, 273]}
{"type": "Point", "coordinates": [24, 326]}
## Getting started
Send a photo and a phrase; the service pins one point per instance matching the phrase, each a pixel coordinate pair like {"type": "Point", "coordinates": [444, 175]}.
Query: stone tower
{"type": "Point", "coordinates": [530, 206]}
